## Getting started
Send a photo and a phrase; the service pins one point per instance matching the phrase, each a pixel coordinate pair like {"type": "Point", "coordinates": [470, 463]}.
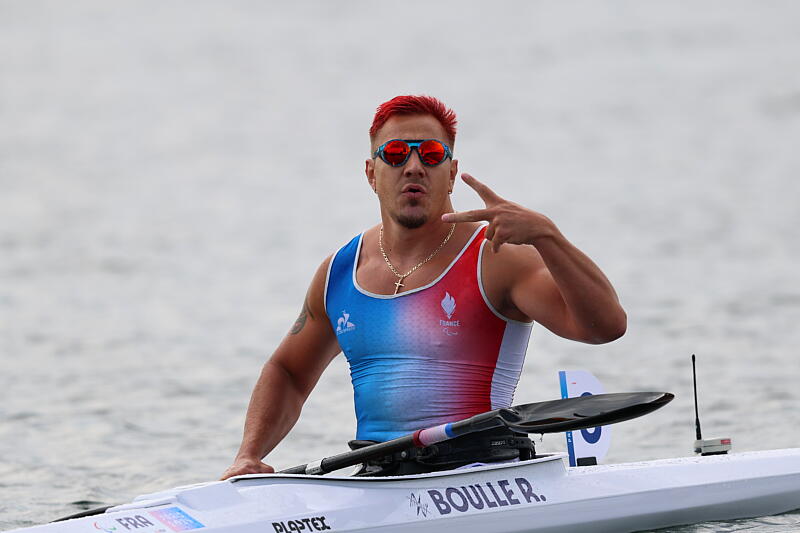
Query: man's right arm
{"type": "Point", "coordinates": [286, 380]}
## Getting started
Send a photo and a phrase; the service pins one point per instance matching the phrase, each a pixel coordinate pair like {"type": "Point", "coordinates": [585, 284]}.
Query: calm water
{"type": "Point", "coordinates": [172, 173]}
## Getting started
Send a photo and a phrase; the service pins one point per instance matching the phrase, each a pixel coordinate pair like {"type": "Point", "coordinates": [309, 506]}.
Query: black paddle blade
{"type": "Point", "coordinates": [572, 414]}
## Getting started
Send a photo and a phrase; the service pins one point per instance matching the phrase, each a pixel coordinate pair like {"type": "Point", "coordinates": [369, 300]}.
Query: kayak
{"type": "Point", "coordinates": [542, 494]}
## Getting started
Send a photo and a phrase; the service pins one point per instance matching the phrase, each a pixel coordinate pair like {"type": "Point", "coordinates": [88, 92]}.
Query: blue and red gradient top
{"type": "Point", "coordinates": [436, 354]}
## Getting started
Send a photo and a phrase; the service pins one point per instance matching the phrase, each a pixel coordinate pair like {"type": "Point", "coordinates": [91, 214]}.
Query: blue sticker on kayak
{"type": "Point", "coordinates": [176, 519]}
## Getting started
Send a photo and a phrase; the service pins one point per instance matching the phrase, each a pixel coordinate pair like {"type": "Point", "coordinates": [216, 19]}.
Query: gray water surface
{"type": "Point", "coordinates": [172, 173]}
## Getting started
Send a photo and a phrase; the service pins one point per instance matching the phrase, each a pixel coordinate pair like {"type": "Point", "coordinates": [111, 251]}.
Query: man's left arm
{"type": "Point", "coordinates": [551, 281]}
{"type": "Point", "coordinates": [569, 295]}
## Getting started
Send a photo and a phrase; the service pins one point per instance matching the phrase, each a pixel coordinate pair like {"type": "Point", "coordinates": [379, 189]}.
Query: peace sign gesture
{"type": "Point", "coordinates": [508, 222]}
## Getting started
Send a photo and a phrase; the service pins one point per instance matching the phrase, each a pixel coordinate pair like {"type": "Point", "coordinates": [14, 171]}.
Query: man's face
{"type": "Point", "coordinates": [412, 193]}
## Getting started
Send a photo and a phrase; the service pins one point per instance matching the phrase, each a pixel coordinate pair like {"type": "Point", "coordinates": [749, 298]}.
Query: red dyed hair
{"type": "Point", "coordinates": [415, 105]}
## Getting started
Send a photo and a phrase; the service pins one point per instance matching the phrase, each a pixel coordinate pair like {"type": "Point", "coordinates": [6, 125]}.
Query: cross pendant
{"type": "Point", "coordinates": [397, 285]}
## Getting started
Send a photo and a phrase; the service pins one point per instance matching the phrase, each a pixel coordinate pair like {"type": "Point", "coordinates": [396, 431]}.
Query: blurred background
{"type": "Point", "coordinates": [172, 173]}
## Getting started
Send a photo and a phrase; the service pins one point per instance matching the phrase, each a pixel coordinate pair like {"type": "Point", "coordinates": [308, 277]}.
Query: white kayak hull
{"type": "Point", "coordinates": [542, 495]}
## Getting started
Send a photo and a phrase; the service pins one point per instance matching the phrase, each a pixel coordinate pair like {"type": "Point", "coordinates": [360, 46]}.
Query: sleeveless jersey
{"type": "Point", "coordinates": [434, 354]}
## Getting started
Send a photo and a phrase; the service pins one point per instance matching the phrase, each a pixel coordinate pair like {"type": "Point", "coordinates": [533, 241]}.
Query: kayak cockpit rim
{"type": "Point", "coordinates": [541, 458]}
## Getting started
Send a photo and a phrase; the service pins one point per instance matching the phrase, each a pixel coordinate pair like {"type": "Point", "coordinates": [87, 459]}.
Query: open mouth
{"type": "Point", "coordinates": [413, 190]}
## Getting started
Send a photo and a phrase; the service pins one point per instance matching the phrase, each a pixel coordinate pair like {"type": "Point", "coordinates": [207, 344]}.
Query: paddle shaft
{"type": "Point", "coordinates": [543, 417]}
{"type": "Point", "coordinates": [419, 439]}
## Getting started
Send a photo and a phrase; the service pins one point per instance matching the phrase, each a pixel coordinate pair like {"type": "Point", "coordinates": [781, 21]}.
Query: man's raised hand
{"type": "Point", "coordinates": [508, 222]}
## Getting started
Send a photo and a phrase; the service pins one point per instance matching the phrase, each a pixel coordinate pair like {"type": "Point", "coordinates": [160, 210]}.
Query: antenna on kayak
{"type": "Point", "coordinates": [706, 446]}
{"type": "Point", "coordinates": [698, 434]}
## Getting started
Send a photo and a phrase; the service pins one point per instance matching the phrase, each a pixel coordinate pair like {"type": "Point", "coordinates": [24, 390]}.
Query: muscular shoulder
{"type": "Point", "coordinates": [503, 270]}
{"type": "Point", "coordinates": [315, 299]}
{"type": "Point", "coordinates": [318, 282]}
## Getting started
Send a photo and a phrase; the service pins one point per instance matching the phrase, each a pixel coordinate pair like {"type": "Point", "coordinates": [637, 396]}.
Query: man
{"type": "Point", "coordinates": [432, 308]}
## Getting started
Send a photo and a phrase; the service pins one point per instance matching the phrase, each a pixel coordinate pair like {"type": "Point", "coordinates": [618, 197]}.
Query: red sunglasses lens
{"type": "Point", "coordinates": [431, 152]}
{"type": "Point", "coordinates": [396, 152]}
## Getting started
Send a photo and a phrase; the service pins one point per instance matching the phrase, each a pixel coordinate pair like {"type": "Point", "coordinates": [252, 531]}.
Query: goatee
{"type": "Point", "coordinates": [411, 221]}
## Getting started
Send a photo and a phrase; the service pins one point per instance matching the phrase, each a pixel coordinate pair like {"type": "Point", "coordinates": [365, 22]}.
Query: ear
{"type": "Point", "coordinates": [369, 170]}
{"type": "Point", "coordinates": [453, 173]}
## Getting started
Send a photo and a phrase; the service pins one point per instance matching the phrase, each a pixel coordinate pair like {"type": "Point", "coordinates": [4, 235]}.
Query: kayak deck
{"type": "Point", "coordinates": [541, 494]}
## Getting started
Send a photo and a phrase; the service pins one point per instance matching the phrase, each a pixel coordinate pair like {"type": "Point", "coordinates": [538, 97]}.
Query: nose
{"type": "Point", "coordinates": [413, 166]}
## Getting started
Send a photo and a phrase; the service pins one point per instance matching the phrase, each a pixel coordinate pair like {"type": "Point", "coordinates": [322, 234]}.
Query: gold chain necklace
{"type": "Point", "coordinates": [401, 277]}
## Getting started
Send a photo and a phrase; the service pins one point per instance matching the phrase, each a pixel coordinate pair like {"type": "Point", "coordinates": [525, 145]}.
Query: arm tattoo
{"type": "Point", "coordinates": [301, 320]}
